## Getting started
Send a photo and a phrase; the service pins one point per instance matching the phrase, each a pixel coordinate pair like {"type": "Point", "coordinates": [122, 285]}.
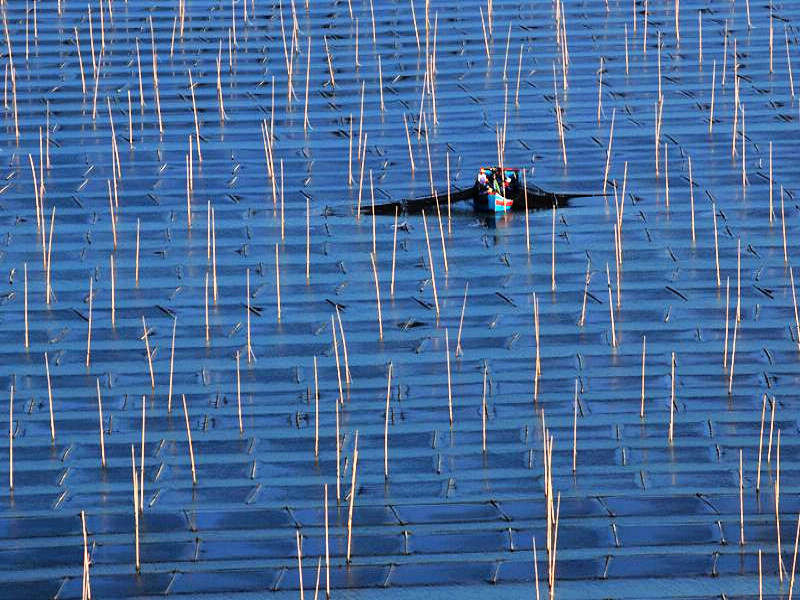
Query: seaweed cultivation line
{"type": "Point", "coordinates": [307, 298]}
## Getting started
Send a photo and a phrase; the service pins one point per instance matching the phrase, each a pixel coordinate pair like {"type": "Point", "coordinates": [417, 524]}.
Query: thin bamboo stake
{"type": "Point", "coordinates": [794, 302]}
{"type": "Point", "coordinates": [741, 501]}
{"type": "Point", "coordinates": [149, 356]}
{"type": "Point", "coordinates": [327, 547]}
{"type": "Point", "coordinates": [196, 119]}
{"type": "Point", "coordinates": [713, 91]}
{"type": "Point", "coordinates": [777, 506]}
{"type": "Point", "coordinates": [716, 242]}
{"type": "Point", "coordinates": [239, 394]}
{"type": "Point", "coordinates": [50, 399]}
{"type": "Point", "coordinates": [113, 292]}
{"type": "Point", "coordinates": [377, 296]}
{"type": "Point", "coordinates": [761, 442]}
{"type": "Point", "coordinates": [316, 411]}
{"type": "Point", "coordinates": [214, 252]}
{"type": "Point", "coordinates": [408, 139]}
{"type": "Point", "coordinates": [330, 61]}
{"type": "Point", "coordinates": [11, 439]}
{"type": "Point", "coordinates": [727, 311]}
{"type": "Point", "coordinates": [611, 309]}
{"type": "Point", "coordinates": [430, 261]}
{"type": "Point", "coordinates": [300, 563]}
{"type": "Point", "coordinates": [733, 351]}
{"type": "Point", "coordinates": [644, 354]}
{"type": "Point", "coordinates": [553, 254]}
{"type": "Point", "coordinates": [136, 261]}
{"type": "Point", "coordinates": [459, 350]}
{"type": "Point", "coordinates": [189, 437]}
{"type": "Point", "coordinates": [535, 569]}
{"type": "Point", "coordinates": [770, 182]}
{"type": "Point", "coordinates": [89, 327]}
{"type": "Point", "coordinates": [308, 240]}
{"type": "Point", "coordinates": [386, 424]}
{"type": "Point", "coordinates": [277, 281]}
{"type": "Point", "coordinates": [135, 506]}
{"type": "Point", "coordinates": [788, 60]}
{"type": "Point", "coordinates": [449, 378]}
{"type": "Point", "coordinates": [537, 365]}
{"type": "Point", "coordinates": [25, 302]}
{"type": "Point", "coordinates": [483, 409]}
{"type": "Point", "coordinates": [141, 464]}
{"type": "Point", "coordinates": [49, 289]}
{"type": "Point", "coordinates": [352, 497]}
{"type": "Point", "coordinates": [344, 347]}
{"type": "Point", "coordinates": [608, 148]}
{"type": "Point", "coordinates": [771, 427]}
{"type": "Point", "coordinates": [794, 556]}
{"type": "Point", "coordinates": [394, 250]}
{"type": "Point", "coordinates": [691, 196]}
{"type": "Point", "coordinates": [588, 278]}
{"type": "Point", "coordinates": [783, 231]}
{"type": "Point", "coordinates": [171, 363]}
{"type": "Point", "coordinates": [250, 355]}
{"type": "Point", "coordinates": [575, 429]}
{"type": "Point", "coordinates": [672, 396]}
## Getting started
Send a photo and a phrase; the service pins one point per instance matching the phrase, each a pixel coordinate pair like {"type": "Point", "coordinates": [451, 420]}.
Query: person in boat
{"type": "Point", "coordinates": [496, 183]}
{"type": "Point", "coordinates": [482, 180]}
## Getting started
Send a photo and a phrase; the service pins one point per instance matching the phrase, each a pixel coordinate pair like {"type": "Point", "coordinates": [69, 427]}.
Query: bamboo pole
{"type": "Point", "coordinates": [316, 411]}
{"type": "Point", "coordinates": [611, 308]}
{"type": "Point", "coordinates": [141, 464]}
{"type": "Point", "coordinates": [644, 354]}
{"type": "Point", "coordinates": [11, 439]}
{"type": "Point", "coordinates": [459, 350]}
{"type": "Point", "coordinates": [794, 302]}
{"type": "Point", "coordinates": [761, 442]}
{"type": "Point", "coordinates": [575, 429]}
{"type": "Point", "coordinates": [135, 507]}
{"type": "Point", "coordinates": [25, 303]}
{"type": "Point", "coordinates": [113, 292]}
{"type": "Point", "coordinates": [483, 409]}
{"type": "Point", "coordinates": [171, 364]}
{"type": "Point", "coordinates": [430, 261]}
{"type": "Point", "coordinates": [386, 424]}
{"type": "Point", "coordinates": [136, 261]}
{"type": "Point", "coordinates": [189, 437]}
{"type": "Point", "coordinates": [449, 378]}
{"type": "Point", "coordinates": [553, 254]}
{"type": "Point", "coordinates": [89, 327]}
{"type": "Point", "coordinates": [149, 356]}
{"type": "Point", "coordinates": [408, 139]}
{"type": "Point", "coordinates": [716, 242]}
{"type": "Point", "coordinates": [352, 498]}
{"type": "Point", "coordinates": [50, 399]}
{"type": "Point", "coordinates": [250, 355]}
{"type": "Point", "coordinates": [394, 250]}
{"type": "Point", "coordinates": [777, 506]}
{"type": "Point", "coordinates": [377, 296]}
{"type": "Point", "coordinates": [239, 393]}
{"type": "Point", "coordinates": [277, 281]}
{"type": "Point", "coordinates": [344, 347]}
{"type": "Point", "coordinates": [794, 556]}
{"type": "Point", "coordinates": [770, 182]}
{"type": "Point", "coordinates": [308, 240]}
{"type": "Point", "coordinates": [672, 396]}
{"type": "Point", "coordinates": [741, 501]}
{"type": "Point", "coordinates": [327, 550]}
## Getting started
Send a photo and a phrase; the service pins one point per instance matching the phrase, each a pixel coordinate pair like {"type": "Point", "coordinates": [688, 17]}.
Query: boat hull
{"type": "Point", "coordinates": [490, 201]}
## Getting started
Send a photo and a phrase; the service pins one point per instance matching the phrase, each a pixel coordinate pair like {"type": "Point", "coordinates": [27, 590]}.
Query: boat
{"type": "Point", "coordinates": [485, 198]}
{"type": "Point", "coordinates": [492, 194]}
